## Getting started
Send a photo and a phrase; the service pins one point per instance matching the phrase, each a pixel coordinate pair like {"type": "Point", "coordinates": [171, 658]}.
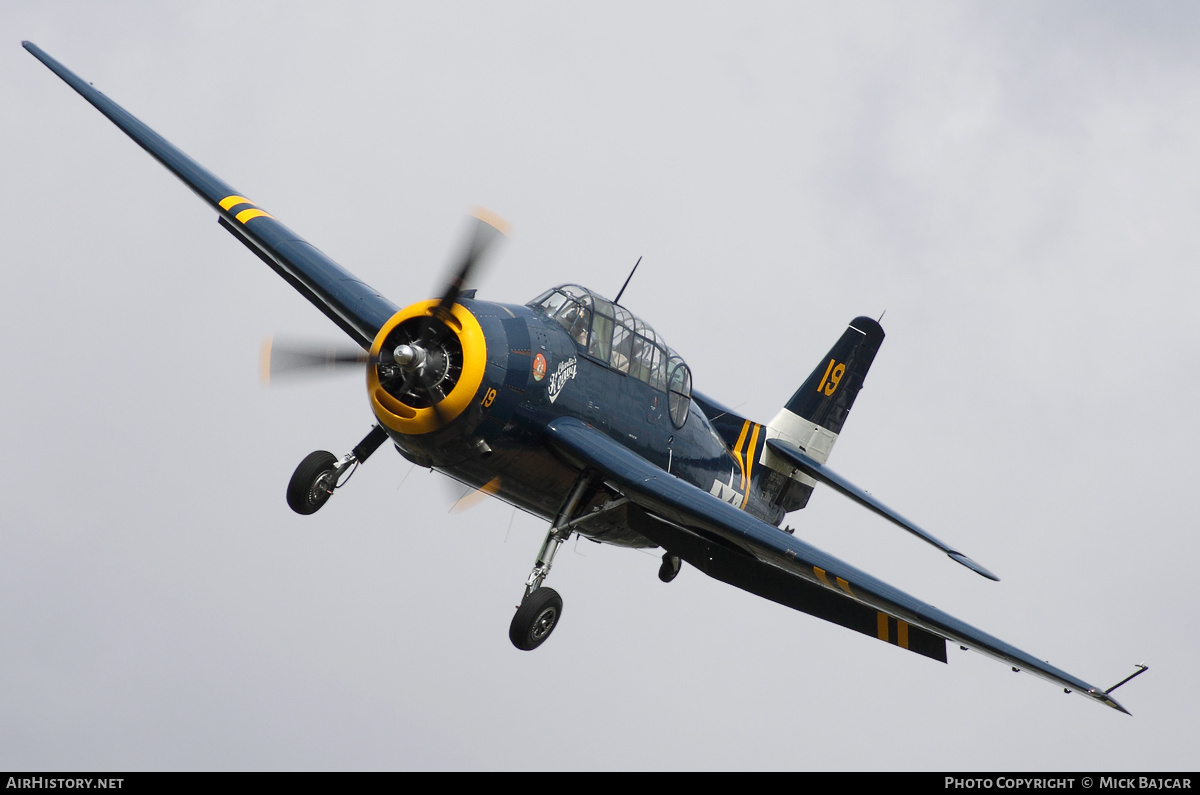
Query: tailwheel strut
{"type": "Point", "coordinates": [541, 608]}
{"type": "Point", "coordinates": [320, 473]}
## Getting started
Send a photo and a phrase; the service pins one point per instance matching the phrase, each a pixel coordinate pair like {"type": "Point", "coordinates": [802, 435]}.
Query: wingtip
{"type": "Point", "coordinates": [1109, 701]}
{"type": "Point", "coordinates": [959, 557]}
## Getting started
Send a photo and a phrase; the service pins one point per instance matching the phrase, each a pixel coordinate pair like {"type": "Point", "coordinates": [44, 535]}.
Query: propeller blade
{"type": "Point", "coordinates": [291, 359]}
{"type": "Point", "coordinates": [437, 412]}
{"type": "Point", "coordinates": [473, 497]}
{"type": "Point", "coordinates": [486, 229]}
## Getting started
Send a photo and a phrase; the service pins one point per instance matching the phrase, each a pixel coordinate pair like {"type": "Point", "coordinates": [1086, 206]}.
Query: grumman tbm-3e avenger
{"type": "Point", "coordinates": [575, 410]}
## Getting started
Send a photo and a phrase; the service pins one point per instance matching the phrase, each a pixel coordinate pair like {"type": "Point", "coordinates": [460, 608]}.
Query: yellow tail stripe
{"type": "Point", "coordinates": [901, 634]}
{"type": "Point", "coordinates": [737, 452]}
{"type": "Point", "coordinates": [881, 622]}
{"type": "Point", "coordinates": [749, 480]}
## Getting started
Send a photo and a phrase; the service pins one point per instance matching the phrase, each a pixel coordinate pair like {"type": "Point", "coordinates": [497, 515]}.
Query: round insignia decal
{"type": "Point", "coordinates": [539, 367]}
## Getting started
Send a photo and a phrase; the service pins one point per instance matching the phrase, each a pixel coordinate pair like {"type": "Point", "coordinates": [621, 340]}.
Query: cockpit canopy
{"type": "Point", "coordinates": [610, 334]}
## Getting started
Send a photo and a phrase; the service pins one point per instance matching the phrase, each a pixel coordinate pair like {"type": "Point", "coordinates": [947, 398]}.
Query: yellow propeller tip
{"type": "Point", "coordinates": [264, 360]}
{"type": "Point", "coordinates": [476, 496]}
{"type": "Point", "coordinates": [492, 219]}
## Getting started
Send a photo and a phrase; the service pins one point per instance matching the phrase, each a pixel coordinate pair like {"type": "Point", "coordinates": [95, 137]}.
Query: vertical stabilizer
{"type": "Point", "coordinates": [814, 416]}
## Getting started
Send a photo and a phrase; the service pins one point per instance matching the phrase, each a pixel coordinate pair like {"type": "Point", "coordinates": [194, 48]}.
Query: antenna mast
{"type": "Point", "coordinates": [617, 301]}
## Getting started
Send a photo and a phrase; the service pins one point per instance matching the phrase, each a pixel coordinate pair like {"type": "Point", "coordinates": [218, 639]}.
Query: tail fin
{"type": "Point", "coordinates": [814, 416]}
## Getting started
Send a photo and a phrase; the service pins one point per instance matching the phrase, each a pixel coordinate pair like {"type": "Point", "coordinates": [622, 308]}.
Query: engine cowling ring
{"type": "Point", "coordinates": [413, 421]}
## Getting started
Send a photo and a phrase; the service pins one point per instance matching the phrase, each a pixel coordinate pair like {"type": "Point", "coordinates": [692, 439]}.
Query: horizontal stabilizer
{"type": "Point", "coordinates": [830, 478]}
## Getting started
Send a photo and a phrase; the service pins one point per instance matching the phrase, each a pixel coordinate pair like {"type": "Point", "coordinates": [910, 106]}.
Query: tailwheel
{"type": "Point", "coordinates": [669, 570]}
{"type": "Point", "coordinates": [312, 483]}
{"type": "Point", "coordinates": [535, 619]}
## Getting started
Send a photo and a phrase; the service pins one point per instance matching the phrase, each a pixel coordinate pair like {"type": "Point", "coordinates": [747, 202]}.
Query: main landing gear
{"type": "Point", "coordinates": [314, 481]}
{"type": "Point", "coordinates": [541, 608]}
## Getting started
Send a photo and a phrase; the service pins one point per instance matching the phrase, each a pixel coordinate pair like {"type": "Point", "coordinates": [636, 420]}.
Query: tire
{"type": "Point", "coordinates": [303, 495]}
{"type": "Point", "coordinates": [670, 567]}
{"type": "Point", "coordinates": [536, 618]}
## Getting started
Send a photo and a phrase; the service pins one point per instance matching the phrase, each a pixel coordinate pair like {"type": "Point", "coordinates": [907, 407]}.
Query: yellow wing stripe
{"type": "Point", "coordinates": [845, 586]}
{"type": "Point", "coordinates": [883, 627]}
{"type": "Point", "coordinates": [246, 215]}
{"type": "Point", "coordinates": [229, 202]}
{"type": "Point", "coordinates": [233, 201]}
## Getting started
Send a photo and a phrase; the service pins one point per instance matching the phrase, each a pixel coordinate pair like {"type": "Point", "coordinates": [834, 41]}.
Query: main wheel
{"type": "Point", "coordinates": [535, 619]}
{"type": "Point", "coordinates": [312, 483]}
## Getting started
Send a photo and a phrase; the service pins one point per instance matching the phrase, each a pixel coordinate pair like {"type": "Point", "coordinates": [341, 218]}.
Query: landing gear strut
{"type": "Point", "coordinates": [314, 481]}
{"type": "Point", "coordinates": [540, 608]}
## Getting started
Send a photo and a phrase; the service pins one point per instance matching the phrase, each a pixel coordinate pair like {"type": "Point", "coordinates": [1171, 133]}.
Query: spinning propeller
{"type": "Point", "coordinates": [421, 359]}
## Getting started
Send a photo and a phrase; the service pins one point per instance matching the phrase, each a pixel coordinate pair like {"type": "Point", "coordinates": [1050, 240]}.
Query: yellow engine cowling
{"type": "Point", "coordinates": [410, 420]}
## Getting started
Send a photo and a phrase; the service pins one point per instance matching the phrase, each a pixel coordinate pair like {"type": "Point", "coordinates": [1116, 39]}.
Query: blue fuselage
{"type": "Point", "coordinates": [536, 372]}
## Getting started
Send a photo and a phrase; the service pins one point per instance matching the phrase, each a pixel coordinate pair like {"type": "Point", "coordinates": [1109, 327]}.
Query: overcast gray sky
{"type": "Point", "coordinates": [1014, 184]}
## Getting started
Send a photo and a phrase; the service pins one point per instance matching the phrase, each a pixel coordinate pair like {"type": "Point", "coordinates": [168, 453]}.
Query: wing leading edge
{"type": "Point", "coordinates": [737, 548]}
{"type": "Point", "coordinates": [355, 307]}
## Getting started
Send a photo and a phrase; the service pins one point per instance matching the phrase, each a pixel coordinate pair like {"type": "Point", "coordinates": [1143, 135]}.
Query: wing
{"type": "Point", "coordinates": [358, 309]}
{"type": "Point", "coordinates": [732, 546]}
